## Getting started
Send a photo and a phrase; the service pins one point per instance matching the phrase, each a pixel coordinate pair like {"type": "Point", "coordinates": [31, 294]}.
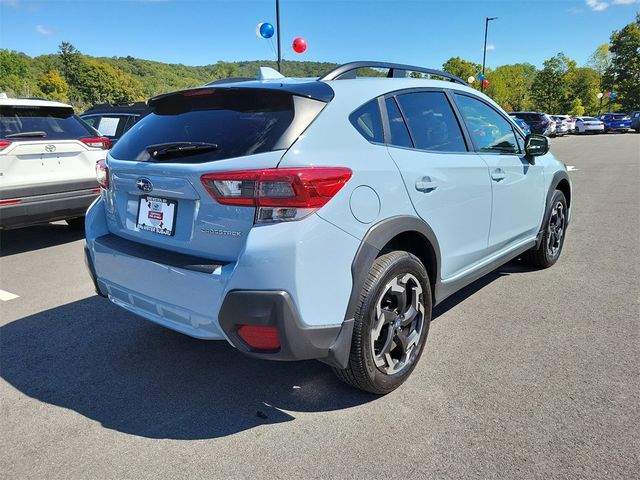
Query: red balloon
{"type": "Point", "coordinates": [485, 82]}
{"type": "Point", "coordinates": [299, 45]}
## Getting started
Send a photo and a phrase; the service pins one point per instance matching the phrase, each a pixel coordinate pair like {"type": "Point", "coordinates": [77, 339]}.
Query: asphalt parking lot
{"type": "Point", "coordinates": [526, 374]}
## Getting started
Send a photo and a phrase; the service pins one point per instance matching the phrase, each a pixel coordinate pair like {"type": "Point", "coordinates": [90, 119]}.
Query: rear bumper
{"type": "Point", "coordinates": [46, 208]}
{"type": "Point", "coordinates": [330, 344]}
{"type": "Point", "coordinates": [273, 283]}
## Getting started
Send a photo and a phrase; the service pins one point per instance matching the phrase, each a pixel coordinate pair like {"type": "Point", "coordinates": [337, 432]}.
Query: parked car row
{"type": "Point", "coordinates": [559, 125]}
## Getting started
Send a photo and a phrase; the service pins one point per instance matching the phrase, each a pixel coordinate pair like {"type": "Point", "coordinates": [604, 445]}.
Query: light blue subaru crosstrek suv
{"type": "Point", "coordinates": [321, 218]}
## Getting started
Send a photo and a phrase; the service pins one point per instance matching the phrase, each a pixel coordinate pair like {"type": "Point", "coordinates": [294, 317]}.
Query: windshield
{"type": "Point", "coordinates": [35, 123]}
{"type": "Point", "coordinates": [238, 122]}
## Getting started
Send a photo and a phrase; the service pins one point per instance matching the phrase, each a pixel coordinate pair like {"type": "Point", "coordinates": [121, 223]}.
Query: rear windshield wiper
{"type": "Point", "coordinates": [27, 135]}
{"type": "Point", "coordinates": [180, 149]}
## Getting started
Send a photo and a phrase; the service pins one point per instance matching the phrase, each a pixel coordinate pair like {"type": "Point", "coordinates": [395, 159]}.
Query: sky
{"type": "Point", "coordinates": [419, 32]}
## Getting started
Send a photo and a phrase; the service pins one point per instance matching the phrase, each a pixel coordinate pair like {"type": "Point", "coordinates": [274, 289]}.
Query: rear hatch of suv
{"type": "Point", "coordinates": [46, 149]}
{"type": "Point", "coordinates": [156, 194]}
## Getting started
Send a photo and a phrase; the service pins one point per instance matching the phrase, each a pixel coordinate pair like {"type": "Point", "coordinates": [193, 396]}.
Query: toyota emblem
{"type": "Point", "coordinates": [49, 148]}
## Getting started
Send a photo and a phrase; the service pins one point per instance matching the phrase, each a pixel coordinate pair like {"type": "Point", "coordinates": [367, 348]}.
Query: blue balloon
{"type": "Point", "coordinates": [267, 30]}
{"type": "Point", "coordinates": [481, 77]}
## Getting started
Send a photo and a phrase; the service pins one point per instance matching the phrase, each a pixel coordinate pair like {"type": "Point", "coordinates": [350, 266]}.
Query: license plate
{"type": "Point", "coordinates": [157, 215]}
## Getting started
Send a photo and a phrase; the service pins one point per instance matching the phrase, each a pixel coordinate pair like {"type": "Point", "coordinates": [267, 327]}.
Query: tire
{"type": "Point", "coordinates": [553, 234]}
{"type": "Point", "coordinates": [76, 223]}
{"type": "Point", "coordinates": [380, 363]}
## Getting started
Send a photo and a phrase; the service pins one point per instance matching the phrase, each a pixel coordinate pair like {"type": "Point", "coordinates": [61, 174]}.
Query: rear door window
{"type": "Point", "coordinates": [397, 128]}
{"type": "Point", "coordinates": [491, 132]}
{"type": "Point", "coordinates": [232, 122]}
{"type": "Point", "coordinates": [431, 121]}
{"type": "Point", "coordinates": [50, 123]}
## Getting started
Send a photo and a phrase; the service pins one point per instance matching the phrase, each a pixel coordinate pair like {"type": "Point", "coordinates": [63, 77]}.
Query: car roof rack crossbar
{"type": "Point", "coordinates": [396, 70]}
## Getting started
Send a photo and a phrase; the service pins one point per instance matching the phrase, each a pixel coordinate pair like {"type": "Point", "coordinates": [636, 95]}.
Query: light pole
{"type": "Point", "coordinates": [278, 35]}
{"type": "Point", "coordinates": [484, 52]}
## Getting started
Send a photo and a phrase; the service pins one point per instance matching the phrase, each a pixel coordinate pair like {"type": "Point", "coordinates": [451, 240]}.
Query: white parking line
{"type": "Point", "coordinates": [571, 168]}
{"type": "Point", "coordinates": [6, 296]}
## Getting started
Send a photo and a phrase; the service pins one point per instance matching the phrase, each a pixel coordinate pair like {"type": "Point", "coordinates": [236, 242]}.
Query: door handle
{"type": "Point", "coordinates": [498, 175]}
{"type": "Point", "coordinates": [425, 185]}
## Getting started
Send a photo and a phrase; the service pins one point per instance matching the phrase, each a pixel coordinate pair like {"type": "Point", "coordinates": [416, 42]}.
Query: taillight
{"type": "Point", "coordinates": [97, 142]}
{"type": "Point", "coordinates": [4, 144]}
{"type": "Point", "coordinates": [102, 174]}
{"type": "Point", "coordinates": [260, 337]}
{"type": "Point", "coordinates": [279, 194]}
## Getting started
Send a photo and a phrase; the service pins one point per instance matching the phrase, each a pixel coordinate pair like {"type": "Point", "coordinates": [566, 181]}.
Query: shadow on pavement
{"type": "Point", "coordinates": [514, 266]}
{"type": "Point", "coordinates": [27, 239]}
{"type": "Point", "coordinates": [138, 378]}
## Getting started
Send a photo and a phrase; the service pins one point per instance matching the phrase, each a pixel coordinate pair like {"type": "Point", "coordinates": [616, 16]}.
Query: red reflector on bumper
{"type": "Point", "coordinates": [260, 337]}
{"type": "Point", "coordinates": [10, 202]}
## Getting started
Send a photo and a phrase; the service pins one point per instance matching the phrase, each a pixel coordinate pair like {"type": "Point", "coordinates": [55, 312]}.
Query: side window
{"type": "Point", "coordinates": [92, 120]}
{"type": "Point", "coordinates": [130, 122]}
{"type": "Point", "coordinates": [490, 131]}
{"type": "Point", "coordinates": [397, 128]}
{"type": "Point", "coordinates": [431, 121]}
{"type": "Point", "coordinates": [368, 121]}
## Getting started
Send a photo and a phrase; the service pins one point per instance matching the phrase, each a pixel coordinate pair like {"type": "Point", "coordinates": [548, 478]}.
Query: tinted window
{"type": "Point", "coordinates": [239, 121]}
{"type": "Point", "coordinates": [52, 123]}
{"type": "Point", "coordinates": [528, 117]}
{"type": "Point", "coordinates": [368, 121]}
{"type": "Point", "coordinates": [618, 116]}
{"type": "Point", "coordinates": [431, 122]}
{"type": "Point", "coordinates": [491, 132]}
{"type": "Point", "coordinates": [93, 120]}
{"type": "Point", "coordinates": [397, 128]}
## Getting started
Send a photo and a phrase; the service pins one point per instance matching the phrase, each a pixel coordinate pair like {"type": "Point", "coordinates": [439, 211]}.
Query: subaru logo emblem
{"type": "Point", "coordinates": [49, 148]}
{"type": "Point", "coordinates": [144, 184]}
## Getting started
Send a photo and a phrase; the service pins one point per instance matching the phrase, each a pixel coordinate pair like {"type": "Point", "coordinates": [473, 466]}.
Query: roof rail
{"type": "Point", "coordinates": [396, 70]}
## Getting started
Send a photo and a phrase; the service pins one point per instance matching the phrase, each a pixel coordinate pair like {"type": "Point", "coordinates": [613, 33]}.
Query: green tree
{"type": "Point", "coordinates": [510, 86]}
{"type": "Point", "coordinates": [53, 86]}
{"type": "Point", "coordinates": [92, 81]}
{"type": "Point", "coordinates": [577, 110]}
{"type": "Point", "coordinates": [623, 75]}
{"type": "Point", "coordinates": [462, 68]}
{"type": "Point", "coordinates": [600, 59]}
{"type": "Point", "coordinates": [16, 78]}
{"type": "Point", "coordinates": [585, 83]}
{"type": "Point", "coordinates": [550, 89]}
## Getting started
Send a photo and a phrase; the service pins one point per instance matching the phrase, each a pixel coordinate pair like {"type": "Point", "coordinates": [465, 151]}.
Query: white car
{"type": "Point", "coordinates": [562, 127]}
{"type": "Point", "coordinates": [570, 121]}
{"type": "Point", "coordinates": [48, 158]}
{"type": "Point", "coordinates": [589, 125]}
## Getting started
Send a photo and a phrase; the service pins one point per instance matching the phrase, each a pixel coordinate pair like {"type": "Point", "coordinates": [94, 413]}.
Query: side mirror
{"type": "Point", "coordinates": [536, 146]}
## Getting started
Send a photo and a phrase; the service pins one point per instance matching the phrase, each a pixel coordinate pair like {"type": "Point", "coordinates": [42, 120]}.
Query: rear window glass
{"type": "Point", "coordinates": [619, 116]}
{"type": "Point", "coordinates": [51, 123]}
{"type": "Point", "coordinates": [239, 122]}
